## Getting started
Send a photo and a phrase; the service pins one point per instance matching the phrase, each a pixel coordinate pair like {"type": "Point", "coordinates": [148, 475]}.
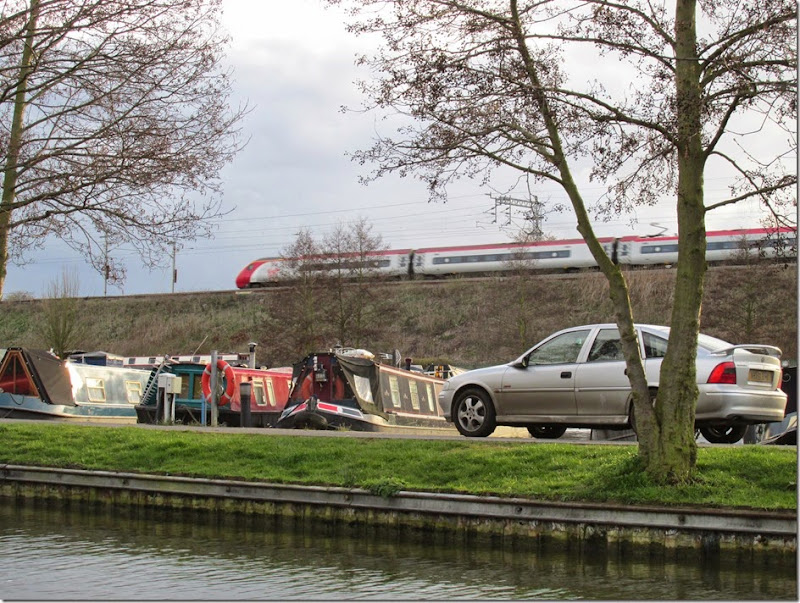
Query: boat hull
{"type": "Point", "coordinates": [28, 407]}
{"type": "Point", "coordinates": [193, 415]}
{"type": "Point", "coordinates": [313, 414]}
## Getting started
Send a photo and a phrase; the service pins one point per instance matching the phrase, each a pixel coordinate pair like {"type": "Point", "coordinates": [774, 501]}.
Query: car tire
{"type": "Point", "coordinates": [727, 434]}
{"type": "Point", "coordinates": [632, 414]}
{"type": "Point", "coordinates": [474, 414]}
{"type": "Point", "coordinates": [547, 432]}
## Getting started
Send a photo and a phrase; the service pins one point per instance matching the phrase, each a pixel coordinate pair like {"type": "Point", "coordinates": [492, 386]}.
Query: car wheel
{"type": "Point", "coordinates": [727, 434]}
{"type": "Point", "coordinates": [547, 432]}
{"type": "Point", "coordinates": [632, 414]}
{"type": "Point", "coordinates": [474, 414]}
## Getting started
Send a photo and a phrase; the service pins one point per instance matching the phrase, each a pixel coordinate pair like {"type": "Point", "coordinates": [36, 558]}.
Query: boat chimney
{"type": "Point", "coordinates": [252, 361]}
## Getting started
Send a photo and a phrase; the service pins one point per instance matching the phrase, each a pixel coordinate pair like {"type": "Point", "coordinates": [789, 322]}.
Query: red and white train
{"type": "Point", "coordinates": [567, 255]}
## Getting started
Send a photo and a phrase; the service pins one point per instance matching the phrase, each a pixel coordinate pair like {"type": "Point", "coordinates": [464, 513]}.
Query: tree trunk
{"type": "Point", "coordinates": [647, 427]}
{"type": "Point", "coordinates": [10, 169]}
{"type": "Point", "coordinates": [677, 396]}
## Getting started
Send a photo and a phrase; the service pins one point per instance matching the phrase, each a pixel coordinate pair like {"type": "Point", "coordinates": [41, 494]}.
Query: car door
{"type": "Point", "coordinates": [601, 383]}
{"type": "Point", "coordinates": [544, 385]}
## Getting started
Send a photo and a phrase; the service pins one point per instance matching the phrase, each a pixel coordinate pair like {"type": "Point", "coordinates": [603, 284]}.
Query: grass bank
{"type": "Point", "coordinates": [759, 477]}
{"type": "Point", "coordinates": [468, 323]}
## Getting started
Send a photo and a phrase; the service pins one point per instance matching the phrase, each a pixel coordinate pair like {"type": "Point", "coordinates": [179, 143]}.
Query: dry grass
{"type": "Point", "coordinates": [469, 323]}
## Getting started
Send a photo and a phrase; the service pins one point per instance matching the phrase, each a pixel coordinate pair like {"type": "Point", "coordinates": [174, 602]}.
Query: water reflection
{"type": "Point", "coordinates": [96, 553]}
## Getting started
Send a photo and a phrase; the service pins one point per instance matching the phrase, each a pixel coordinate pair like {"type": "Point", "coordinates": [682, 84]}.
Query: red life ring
{"type": "Point", "coordinates": [230, 383]}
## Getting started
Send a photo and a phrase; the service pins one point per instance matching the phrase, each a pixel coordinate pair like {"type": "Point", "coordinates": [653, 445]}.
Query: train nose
{"type": "Point", "coordinates": [243, 279]}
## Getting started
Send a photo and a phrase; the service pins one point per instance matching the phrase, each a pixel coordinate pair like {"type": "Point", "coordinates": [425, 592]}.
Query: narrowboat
{"type": "Point", "coordinates": [192, 396]}
{"type": "Point", "coordinates": [35, 384]}
{"type": "Point", "coordinates": [350, 389]}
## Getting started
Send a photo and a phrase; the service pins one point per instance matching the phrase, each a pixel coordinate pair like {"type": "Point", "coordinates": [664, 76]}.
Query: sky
{"type": "Point", "coordinates": [293, 64]}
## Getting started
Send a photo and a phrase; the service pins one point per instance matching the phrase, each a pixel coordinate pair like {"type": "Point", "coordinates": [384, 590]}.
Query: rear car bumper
{"type": "Point", "coordinates": [718, 405]}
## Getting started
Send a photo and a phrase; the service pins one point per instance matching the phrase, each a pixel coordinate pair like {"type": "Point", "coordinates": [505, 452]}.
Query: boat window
{"type": "Point", "coordinates": [133, 389]}
{"type": "Point", "coordinates": [184, 395]}
{"type": "Point", "coordinates": [258, 393]}
{"type": "Point", "coordinates": [395, 387]}
{"type": "Point", "coordinates": [431, 396]}
{"type": "Point", "coordinates": [197, 387]}
{"type": "Point", "coordinates": [412, 388]}
{"type": "Point", "coordinates": [363, 388]}
{"type": "Point", "coordinates": [151, 360]}
{"type": "Point", "coordinates": [14, 379]}
{"type": "Point", "coordinates": [271, 392]}
{"type": "Point", "coordinates": [96, 388]}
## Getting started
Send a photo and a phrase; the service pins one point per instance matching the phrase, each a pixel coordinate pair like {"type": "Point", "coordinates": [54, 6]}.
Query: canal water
{"type": "Point", "coordinates": [96, 553]}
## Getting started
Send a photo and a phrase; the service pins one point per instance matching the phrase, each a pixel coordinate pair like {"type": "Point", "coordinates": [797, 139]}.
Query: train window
{"type": "Point", "coordinates": [503, 257]}
{"type": "Point", "coordinates": [543, 255]}
{"type": "Point", "coordinates": [717, 245]}
{"type": "Point", "coordinates": [659, 248]}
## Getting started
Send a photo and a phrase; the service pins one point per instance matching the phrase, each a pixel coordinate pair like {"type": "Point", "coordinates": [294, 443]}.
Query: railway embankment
{"type": "Point", "coordinates": [465, 322]}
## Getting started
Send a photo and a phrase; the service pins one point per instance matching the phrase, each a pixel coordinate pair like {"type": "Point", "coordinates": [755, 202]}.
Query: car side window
{"type": "Point", "coordinates": [563, 349]}
{"type": "Point", "coordinates": [654, 347]}
{"type": "Point", "coordinates": [606, 347]}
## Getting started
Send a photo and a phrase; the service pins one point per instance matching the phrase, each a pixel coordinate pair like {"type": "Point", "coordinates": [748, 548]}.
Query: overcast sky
{"type": "Point", "coordinates": [294, 65]}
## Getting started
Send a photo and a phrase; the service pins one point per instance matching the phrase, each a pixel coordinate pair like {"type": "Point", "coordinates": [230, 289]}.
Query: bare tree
{"type": "Point", "coordinates": [306, 273]}
{"type": "Point", "coordinates": [522, 277]}
{"type": "Point", "coordinates": [354, 258]}
{"type": "Point", "coordinates": [488, 85]}
{"type": "Point", "coordinates": [61, 326]}
{"type": "Point", "coordinates": [114, 122]}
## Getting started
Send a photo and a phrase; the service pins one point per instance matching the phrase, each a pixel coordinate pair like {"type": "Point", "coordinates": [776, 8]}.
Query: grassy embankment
{"type": "Point", "coordinates": [467, 323]}
{"type": "Point", "coordinates": [759, 477]}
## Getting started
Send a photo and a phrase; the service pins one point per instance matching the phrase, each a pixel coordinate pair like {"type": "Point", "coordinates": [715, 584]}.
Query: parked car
{"type": "Point", "coordinates": [577, 378]}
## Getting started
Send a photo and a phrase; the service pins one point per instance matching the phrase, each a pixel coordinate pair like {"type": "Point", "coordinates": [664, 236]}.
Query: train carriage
{"type": "Point", "coordinates": [567, 255]}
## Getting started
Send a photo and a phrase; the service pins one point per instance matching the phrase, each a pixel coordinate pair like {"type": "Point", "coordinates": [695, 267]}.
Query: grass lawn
{"type": "Point", "coordinates": [760, 477]}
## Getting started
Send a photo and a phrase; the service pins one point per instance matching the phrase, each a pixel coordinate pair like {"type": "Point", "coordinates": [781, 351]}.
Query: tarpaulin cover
{"type": "Point", "coordinates": [362, 374]}
{"type": "Point", "coordinates": [381, 389]}
{"type": "Point", "coordinates": [50, 376]}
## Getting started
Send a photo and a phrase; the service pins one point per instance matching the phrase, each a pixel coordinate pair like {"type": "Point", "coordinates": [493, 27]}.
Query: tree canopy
{"type": "Point", "coordinates": [649, 95]}
{"type": "Point", "coordinates": [114, 124]}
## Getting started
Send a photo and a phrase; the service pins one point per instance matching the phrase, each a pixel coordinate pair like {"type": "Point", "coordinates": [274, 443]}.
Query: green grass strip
{"type": "Point", "coordinates": [760, 477]}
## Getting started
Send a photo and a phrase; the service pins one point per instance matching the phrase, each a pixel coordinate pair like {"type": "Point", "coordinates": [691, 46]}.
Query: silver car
{"type": "Point", "coordinates": [576, 378]}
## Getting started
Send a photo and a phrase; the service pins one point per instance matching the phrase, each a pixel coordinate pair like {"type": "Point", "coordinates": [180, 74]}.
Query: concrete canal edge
{"type": "Point", "coordinates": [676, 529]}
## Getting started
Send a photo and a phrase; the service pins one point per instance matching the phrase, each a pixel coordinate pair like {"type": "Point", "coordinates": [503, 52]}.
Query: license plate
{"type": "Point", "coordinates": [760, 376]}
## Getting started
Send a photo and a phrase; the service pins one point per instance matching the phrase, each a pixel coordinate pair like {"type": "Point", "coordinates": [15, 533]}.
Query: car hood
{"type": "Point", "coordinates": [489, 374]}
